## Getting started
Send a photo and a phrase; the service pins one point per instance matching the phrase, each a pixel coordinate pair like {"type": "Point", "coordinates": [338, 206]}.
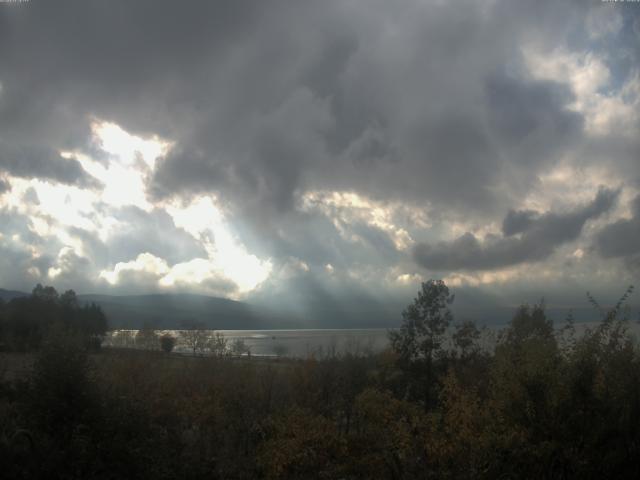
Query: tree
{"type": "Point", "coordinates": [387, 440]}
{"type": "Point", "coordinates": [147, 338]}
{"type": "Point", "coordinates": [217, 344]}
{"type": "Point", "coordinates": [3, 325]}
{"type": "Point", "coordinates": [93, 324]}
{"type": "Point", "coordinates": [424, 324]}
{"type": "Point", "coordinates": [167, 342]}
{"type": "Point", "coordinates": [69, 299]}
{"type": "Point", "coordinates": [46, 294]}
{"type": "Point", "coordinates": [529, 324]}
{"type": "Point", "coordinates": [28, 319]}
{"type": "Point", "coordinates": [418, 342]}
{"type": "Point", "coordinates": [465, 339]}
{"type": "Point", "coordinates": [63, 392]}
{"type": "Point", "coordinates": [527, 381]}
{"type": "Point", "coordinates": [195, 336]}
{"type": "Point", "coordinates": [239, 347]}
{"type": "Point", "coordinates": [301, 444]}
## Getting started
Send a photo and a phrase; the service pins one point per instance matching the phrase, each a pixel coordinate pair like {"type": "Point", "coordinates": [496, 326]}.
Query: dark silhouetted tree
{"type": "Point", "coordinates": [27, 320]}
{"type": "Point", "coordinates": [465, 338]}
{"type": "Point", "coordinates": [63, 393]}
{"type": "Point", "coordinates": [167, 343]}
{"type": "Point", "coordinates": [69, 299]}
{"type": "Point", "coordinates": [529, 323]}
{"type": "Point", "coordinates": [418, 342]}
{"type": "Point", "coordinates": [45, 294]}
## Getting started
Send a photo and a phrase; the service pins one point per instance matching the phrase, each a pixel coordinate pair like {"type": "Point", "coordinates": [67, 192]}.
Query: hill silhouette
{"type": "Point", "coordinates": [171, 311]}
{"type": "Point", "coordinates": [8, 295]}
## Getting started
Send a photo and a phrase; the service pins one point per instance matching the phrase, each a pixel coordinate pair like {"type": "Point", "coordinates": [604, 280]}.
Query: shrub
{"type": "Point", "coordinates": [167, 343]}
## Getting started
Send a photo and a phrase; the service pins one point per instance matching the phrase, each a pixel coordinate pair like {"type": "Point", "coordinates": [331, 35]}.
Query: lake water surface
{"type": "Point", "coordinates": [319, 342]}
{"type": "Point", "coordinates": [293, 343]}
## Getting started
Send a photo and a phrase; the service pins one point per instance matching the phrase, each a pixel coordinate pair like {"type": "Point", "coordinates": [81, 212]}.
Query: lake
{"type": "Point", "coordinates": [292, 343]}
{"type": "Point", "coordinates": [319, 342]}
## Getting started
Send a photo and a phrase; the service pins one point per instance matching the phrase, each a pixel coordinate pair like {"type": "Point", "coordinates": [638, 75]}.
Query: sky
{"type": "Point", "coordinates": [322, 157]}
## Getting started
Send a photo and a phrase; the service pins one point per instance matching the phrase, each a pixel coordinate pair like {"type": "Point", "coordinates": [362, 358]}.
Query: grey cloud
{"type": "Point", "coordinates": [423, 103]}
{"type": "Point", "coordinates": [531, 119]}
{"type": "Point", "coordinates": [13, 223]}
{"type": "Point", "coordinates": [74, 271]}
{"type": "Point", "coordinates": [621, 238]}
{"type": "Point", "coordinates": [537, 241]}
{"type": "Point", "coordinates": [134, 282]}
{"type": "Point", "coordinates": [94, 248]}
{"type": "Point", "coordinates": [314, 238]}
{"type": "Point", "coordinates": [20, 268]}
{"type": "Point", "coordinates": [311, 237]}
{"type": "Point", "coordinates": [31, 196]}
{"type": "Point", "coordinates": [64, 64]}
{"type": "Point", "coordinates": [377, 240]}
{"type": "Point", "coordinates": [265, 100]}
{"type": "Point", "coordinates": [517, 221]}
{"type": "Point", "coordinates": [33, 161]}
{"type": "Point", "coordinates": [15, 262]}
{"type": "Point", "coordinates": [187, 168]}
{"type": "Point", "coordinates": [371, 147]}
{"type": "Point", "coordinates": [260, 169]}
{"type": "Point", "coordinates": [152, 232]}
{"type": "Point", "coordinates": [5, 186]}
{"type": "Point", "coordinates": [140, 232]}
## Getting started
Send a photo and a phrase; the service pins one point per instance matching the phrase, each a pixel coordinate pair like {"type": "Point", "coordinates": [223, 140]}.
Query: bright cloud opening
{"type": "Point", "coordinates": [58, 211]}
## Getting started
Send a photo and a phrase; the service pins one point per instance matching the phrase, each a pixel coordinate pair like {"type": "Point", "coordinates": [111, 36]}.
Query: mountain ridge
{"type": "Point", "coordinates": [178, 310]}
{"type": "Point", "coordinates": [8, 295]}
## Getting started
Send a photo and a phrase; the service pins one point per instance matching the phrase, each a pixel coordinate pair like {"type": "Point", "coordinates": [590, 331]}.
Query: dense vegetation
{"type": "Point", "coordinates": [26, 321]}
{"type": "Point", "coordinates": [543, 403]}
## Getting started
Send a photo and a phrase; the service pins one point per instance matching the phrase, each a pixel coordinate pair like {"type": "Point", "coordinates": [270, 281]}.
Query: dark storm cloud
{"type": "Point", "coordinates": [517, 221]}
{"type": "Point", "coordinates": [539, 238]}
{"type": "Point", "coordinates": [530, 118]}
{"type": "Point", "coordinates": [621, 238]}
{"type": "Point", "coordinates": [203, 174]}
{"type": "Point", "coordinates": [66, 63]}
{"type": "Point", "coordinates": [33, 161]}
{"type": "Point", "coordinates": [420, 103]}
{"type": "Point", "coordinates": [266, 99]}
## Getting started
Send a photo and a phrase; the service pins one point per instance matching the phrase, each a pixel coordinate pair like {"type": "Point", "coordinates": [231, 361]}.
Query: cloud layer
{"type": "Point", "coordinates": [342, 147]}
{"type": "Point", "coordinates": [621, 239]}
{"type": "Point", "coordinates": [539, 236]}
